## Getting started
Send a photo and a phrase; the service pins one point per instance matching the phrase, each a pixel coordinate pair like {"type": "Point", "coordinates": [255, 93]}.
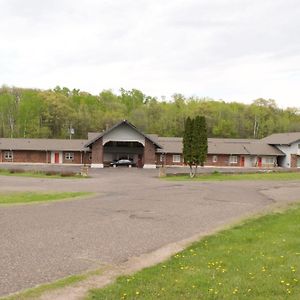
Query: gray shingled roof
{"type": "Point", "coordinates": [168, 144]}
{"type": "Point", "coordinates": [117, 125]}
{"type": "Point", "coordinates": [42, 144]}
{"type": "Point", "coordinates": [282, 138]}
{"type": "Point", "coordinates": [222, 146]}
{"type": "Point", "coordinates": [260, 148]}
{"type": "Point", "coordinates": [92, 135]}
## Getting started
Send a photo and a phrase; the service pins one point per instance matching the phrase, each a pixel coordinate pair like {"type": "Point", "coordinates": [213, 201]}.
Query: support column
{"type": "Point", "coordinates": [149, 155]}
{"type": "Point", "coordinates": [97, 154]}
{"type": "Point", "coordinates": [293, 161]}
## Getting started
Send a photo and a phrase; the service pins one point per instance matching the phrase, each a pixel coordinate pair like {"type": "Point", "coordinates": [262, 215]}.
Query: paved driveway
{"type": "Point", "coordinates": [132, 213]}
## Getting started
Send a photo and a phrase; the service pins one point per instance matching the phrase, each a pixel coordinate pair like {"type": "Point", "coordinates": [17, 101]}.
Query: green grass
{"type": "Point", "coordinates": [32, 197]}
{"type": "Point", "coordinates": [44, 288]}
{"type": "Point", "coordinates": [39, 174]}
{"type": "Point", "coordinates": [259, 259]}
{"type": "Point", "coordinates": [248, 176]}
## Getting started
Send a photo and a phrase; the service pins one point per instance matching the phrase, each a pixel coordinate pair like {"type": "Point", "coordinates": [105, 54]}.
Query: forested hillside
{"type": "Point", "coordinates": [50, 113]}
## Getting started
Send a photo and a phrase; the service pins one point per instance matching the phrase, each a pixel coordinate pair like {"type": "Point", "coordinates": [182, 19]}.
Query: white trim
{"type": "Point", "coordinates": [97, 166]}
{"type": "Point", "coordinates": [176, 158]}
{"type": "Point", "coordinates": [149, 166]}
{"type": "Point", "coordinates": [60, 157]}
{"type": "Point", "coordinates": [69, 156]}
{"type": "Point", "coordinates": [233, 159]}
{"type": "Point", "coordinates": [8, 155]}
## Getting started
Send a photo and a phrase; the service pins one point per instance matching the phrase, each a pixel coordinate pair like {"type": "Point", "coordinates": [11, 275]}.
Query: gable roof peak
{"type": "Point", "coordinates": [117, 125]}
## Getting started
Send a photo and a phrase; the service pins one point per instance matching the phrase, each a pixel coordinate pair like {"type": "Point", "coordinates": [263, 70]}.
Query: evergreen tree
{"type": "Point", "coordinates": [203, 144]}
{"type": "Point", "coordinates": [188, 144]}
{"type": "Point", "coordinates": [187, 141]}
{"type": "Point", "coordinates": [195, 143]}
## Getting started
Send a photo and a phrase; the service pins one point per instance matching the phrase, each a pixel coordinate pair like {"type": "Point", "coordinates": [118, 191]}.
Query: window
{"type": "Point", "coordinates": [69, 155]}
{"type": "Point", "coordinates": [176, 158]}
{"type": "Point", "coordinates": [8, 155]}
{"type": "Point", "coordinates": [233, 159]}
{"type": "Point", "coordinates": [214, 158]}
{"type": "Point", "coordinates": [90, 156]}
{"type": "Point", "coordinates": [161, 157]}
{"type": "Point", "coordinates": [269, 160]}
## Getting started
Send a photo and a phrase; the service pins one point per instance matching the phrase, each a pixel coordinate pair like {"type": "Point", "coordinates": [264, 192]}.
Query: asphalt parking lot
{"type": "Point", "coordinates": [133, 212]}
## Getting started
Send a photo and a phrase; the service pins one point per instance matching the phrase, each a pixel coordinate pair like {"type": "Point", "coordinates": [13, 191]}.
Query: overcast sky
{"type": "Point", "coordinates": [235, 50]}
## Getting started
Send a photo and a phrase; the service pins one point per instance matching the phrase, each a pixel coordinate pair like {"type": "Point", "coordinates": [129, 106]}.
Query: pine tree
{"type": "Point", "coordinates": [195, 143]}
{"type": "Point", "coordinates": [203, 144]}
{"type": "Point", "coordinates": [187, 143]}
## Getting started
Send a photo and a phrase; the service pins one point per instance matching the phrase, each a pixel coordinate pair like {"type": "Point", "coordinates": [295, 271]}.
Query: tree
{"type": "Point", "coordinates": [187, 144]}
{"type": "Point", "coordinates": [195, 143]}
{"type": "Point", "coordinates": [203, 144]}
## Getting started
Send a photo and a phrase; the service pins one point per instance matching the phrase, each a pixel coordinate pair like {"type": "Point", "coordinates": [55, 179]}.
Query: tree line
{"type": "Point", "coordinates": [51, 113]}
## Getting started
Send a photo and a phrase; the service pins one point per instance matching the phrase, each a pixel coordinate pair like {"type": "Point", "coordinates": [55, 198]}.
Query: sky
{"type": "Point", "coordinates": [234, 50]}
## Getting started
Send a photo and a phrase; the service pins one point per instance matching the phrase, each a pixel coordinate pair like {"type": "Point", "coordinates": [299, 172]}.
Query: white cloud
{"type": "Point", "coordinates": [227, 49]}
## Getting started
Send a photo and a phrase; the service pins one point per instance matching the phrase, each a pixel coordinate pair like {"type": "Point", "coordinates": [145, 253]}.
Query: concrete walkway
{"type": "Point", "coordinates": [132, 213]}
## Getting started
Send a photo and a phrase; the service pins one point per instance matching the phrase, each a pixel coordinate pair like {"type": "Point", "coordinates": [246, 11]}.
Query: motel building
{"type": "Point", "coordinates": [125, 141]}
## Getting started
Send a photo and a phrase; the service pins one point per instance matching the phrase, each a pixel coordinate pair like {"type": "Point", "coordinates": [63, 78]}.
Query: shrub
{"type": "Point", "coordinates": [51, 173]}
{"type": "Point", "coordinates": [13, 171]}
{"type": "Point", "coordinates": [67, 174]}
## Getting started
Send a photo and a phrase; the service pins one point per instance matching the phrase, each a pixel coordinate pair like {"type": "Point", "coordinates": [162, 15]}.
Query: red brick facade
{"type": "Point", "coordinates": [149, 153]}
{"type": "Point", "coordinates": [22, 156]}
{"type": "Point", "coordinates": [221, 160]}
{"type": "Point", "coordinates": [168, 159]}
{"type": "Point", "coordinates": [29, 156]}
{"type": "Point", "coordinates": [294, 158]}
{"type": "Point", "coordinates": [97, 152]}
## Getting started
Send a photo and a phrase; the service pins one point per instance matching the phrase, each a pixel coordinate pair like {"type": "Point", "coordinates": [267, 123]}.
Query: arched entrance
{"type": "Point", "coordinates": [115, 150]}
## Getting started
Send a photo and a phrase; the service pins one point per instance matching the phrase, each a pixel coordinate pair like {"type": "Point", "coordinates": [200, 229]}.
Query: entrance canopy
{"type": "Point", "coordinates": [123, 140]}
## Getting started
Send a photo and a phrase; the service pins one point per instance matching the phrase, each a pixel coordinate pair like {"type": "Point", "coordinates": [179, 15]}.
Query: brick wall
{"type": "Point", "coordinates": [149, 153]}
{"type": "Point", "coordinates": [22, 156]}
{"type": "Point", "coordinates": [87, 158]}
{"type": "Point", "coordinates": [97, 152]}
{"type": "Point", "coordinates": [27, 156]}
{"type": "Point", "coordinates": [222, 160]}
{"type": "Point", "coordinates": [78, 159]}
{"type": "Point", "coordinates": [293, 161]}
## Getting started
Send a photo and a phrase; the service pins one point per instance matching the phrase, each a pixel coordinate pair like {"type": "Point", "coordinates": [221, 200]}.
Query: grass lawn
{"type": "Point", "coordinates": [39, 174]}
{"type": "Point", "coordinates": [248, 176]}
{"type": "Point", "coordinates": [259, 259]}
{"type": "Point", "coordinates": [30, 197]}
